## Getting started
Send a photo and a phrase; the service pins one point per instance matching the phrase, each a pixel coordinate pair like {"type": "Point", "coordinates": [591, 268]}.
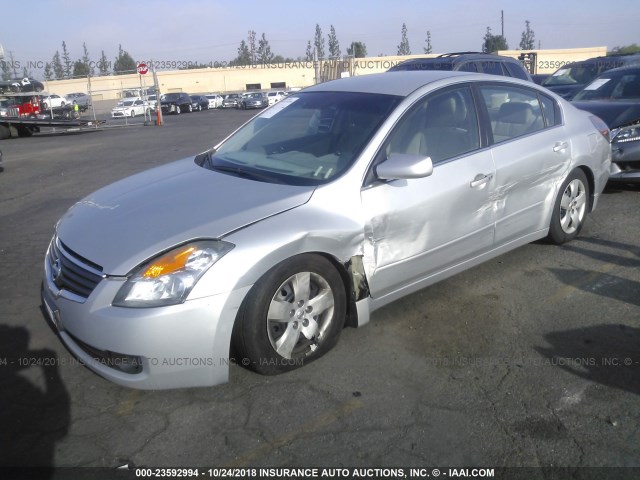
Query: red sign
{"type": "Point", "coordinates": [143, 69]}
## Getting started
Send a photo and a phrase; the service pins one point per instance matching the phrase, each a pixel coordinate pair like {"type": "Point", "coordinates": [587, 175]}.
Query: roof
{"type": "Point", "coordinates": [401, 83]}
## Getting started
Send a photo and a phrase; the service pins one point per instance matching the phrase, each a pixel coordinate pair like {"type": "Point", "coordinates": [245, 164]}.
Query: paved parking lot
{"type": "Point", "coordinates": [532, 359]}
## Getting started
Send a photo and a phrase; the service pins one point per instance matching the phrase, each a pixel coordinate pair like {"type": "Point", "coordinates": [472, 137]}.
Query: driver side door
{"type": "Point", "coordinates": [416, 228]}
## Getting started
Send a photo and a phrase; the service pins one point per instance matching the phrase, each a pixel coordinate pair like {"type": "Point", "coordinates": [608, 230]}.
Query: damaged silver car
{"type": "Point", "coordinates": [321, 209]}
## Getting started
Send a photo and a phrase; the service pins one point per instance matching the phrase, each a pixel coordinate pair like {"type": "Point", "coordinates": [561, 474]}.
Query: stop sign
{"type": "Point", "coordinates": [142, 68]}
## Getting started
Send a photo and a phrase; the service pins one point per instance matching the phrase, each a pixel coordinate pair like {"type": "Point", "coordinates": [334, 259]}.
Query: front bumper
{"type": "Point", "coordinates": [178, 346]}
{"type": "Point", "coordinates": [625, 162]}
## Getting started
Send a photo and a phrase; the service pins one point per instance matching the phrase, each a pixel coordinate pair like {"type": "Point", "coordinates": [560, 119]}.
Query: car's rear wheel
{"type": "Point", "coordinates": [293, 315]}
{"type": "Point", "coordinates": [570, 208]}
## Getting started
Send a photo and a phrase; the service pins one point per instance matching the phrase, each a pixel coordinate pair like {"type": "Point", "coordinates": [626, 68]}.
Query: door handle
{"type": "Point", "coordinates": [481, 179]}
{"type": "Point", "coordinates": [560, 146]}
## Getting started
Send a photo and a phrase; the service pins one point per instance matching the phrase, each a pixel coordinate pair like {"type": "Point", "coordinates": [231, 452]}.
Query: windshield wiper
{"type": "Point", "coordinates": [240, 172]}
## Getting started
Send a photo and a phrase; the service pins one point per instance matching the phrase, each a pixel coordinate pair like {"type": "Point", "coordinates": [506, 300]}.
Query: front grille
{"type": "Point", "coordinates": [72, 272]}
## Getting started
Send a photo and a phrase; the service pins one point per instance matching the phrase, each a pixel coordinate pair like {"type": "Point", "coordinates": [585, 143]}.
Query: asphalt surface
{"type": "Point", "coordinates": [532, 359]}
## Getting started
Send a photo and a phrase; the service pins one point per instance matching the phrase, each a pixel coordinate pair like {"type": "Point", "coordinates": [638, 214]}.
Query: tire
{"type": "Point", "coordinates": [25, 132]}
{"type": "Point", "coordinates": [570, 208]}
{"type": "Point", "coordinates": [190, 108]}
{"type": "Point", "coordinates": [178, 110]}
{"type": "Point", "coordinates": [4, 132]}
{"type": "Point", "coordinates": [277, 329]}
{"type": "Point", "coordinates": [133, 113]}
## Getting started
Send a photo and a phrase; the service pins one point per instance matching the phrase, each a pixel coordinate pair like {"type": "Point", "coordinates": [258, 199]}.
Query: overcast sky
{"type": "Point", "coordinates": [211, 30]}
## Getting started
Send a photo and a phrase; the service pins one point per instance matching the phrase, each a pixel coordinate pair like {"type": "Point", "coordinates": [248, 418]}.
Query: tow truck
{"type": "Point", "coordinates": [21, 115]}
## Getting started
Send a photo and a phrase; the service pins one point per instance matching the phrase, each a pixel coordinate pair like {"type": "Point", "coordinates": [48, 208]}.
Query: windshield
{"type": "Point", "coordinates": [613, 86]}
{"type": "Point", "coordinates": [128, 103]}
{"type": "Point", "coordinates": [306, 139]}
{"type": "Point", "coordinates": [170, 97]}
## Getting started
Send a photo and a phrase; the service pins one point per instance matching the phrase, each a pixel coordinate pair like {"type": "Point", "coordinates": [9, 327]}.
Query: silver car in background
{"type": "Point", "coordinates": [321, 209]}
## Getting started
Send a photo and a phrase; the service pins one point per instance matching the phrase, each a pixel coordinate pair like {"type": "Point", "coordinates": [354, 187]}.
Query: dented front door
{"type": "Point", "coordinates": [418, 227]}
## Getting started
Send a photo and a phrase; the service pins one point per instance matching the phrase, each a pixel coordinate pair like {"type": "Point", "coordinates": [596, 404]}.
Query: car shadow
{"type": "Point", "coordinates": [607, 354]}
{"type": "Point", "coordinates": [34, 404]}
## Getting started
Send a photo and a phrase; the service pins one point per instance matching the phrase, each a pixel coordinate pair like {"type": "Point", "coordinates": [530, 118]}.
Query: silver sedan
{"type": "Point", "coordinates": [323, 208]}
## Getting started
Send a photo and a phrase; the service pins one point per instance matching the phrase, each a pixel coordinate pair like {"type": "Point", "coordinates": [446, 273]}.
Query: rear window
{"type": "Point", "coordinates": [516, 71]}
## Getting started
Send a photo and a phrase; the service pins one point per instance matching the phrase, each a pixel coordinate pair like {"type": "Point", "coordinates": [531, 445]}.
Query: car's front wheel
{"type": "Point", "coordinates": [133, 113]}
{"type": "Point", "coordinates": [177, 109]}
{"type": "Point", "coordinates": [570, 208]}
{"type": "Point", "coordinates": [190, 108]}
{"type": "Point", "coordinates": [293, 315]}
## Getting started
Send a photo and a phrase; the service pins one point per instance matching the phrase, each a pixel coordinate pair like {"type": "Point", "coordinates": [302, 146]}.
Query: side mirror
{"type": "Point", "coordinates": [404, 166]}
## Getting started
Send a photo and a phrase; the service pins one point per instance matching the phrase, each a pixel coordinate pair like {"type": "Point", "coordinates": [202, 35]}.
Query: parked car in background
{"type": "Point", "coordinates": [253, 100]}
{"type": "Point", "coordinates": [362, 190]}
{"type": "Point", "coordinates": [79, 98]}
{"type": "Point", "coordinates": [614, 96]}
{"type": "Point", "coordinates": [52, 101]}
{"type": "Point", "coordinates": [129, 108]}
{"type": "Point", "coordinates": [199, 103]}
{"type": "Point", "coordinates": [468, 62]}
{"type": "Point", "coordinates": [152, 101]}
{"type": "Point", "coordinates": [573, 77]}
{"type": "Point", "coordinates": [176, 103]}
{"type": "Point", "coordinates": [215, 100]}
{"type": "Point", "coordinates": [275, 97]}
{"type": "Point", "coordinates": [231, 100]}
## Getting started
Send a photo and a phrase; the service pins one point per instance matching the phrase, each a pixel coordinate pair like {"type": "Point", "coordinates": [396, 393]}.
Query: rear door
{"type": "Point", "coordinates": [531, 152]}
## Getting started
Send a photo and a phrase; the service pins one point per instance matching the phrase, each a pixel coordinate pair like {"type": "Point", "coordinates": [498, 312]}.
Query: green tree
{"type": "Point", "coordinates": [26, 73]}
{"type": "Point", "coordinates": [334, 45]}
{"type": "Point", "coordinates": [319, 43]}
{"type": "Point", "coordinates": [428, 47]}
{"type": "Point", "coordinates": [80, 69]}
{"type": "Point", "coordinates": [103, 65]}
{"type": "Point", "coordinates": [48, 71]}
{"type": "Point", "coordinates": [493, 43]}
{"type": "Point", "coordinates": [265, 55]}
{"type": "Point", "coordinates": [58, 69]}
{"type": "Point", "coordinates": [309, 53]}
{"type": "Point", "coordinates": [67, 64]}
{"type": "Point", "coordinates": [244, 55]}
{"type": "Point", "coordinates": [528, 40]}
{"type": "Point", "coordinates": [404, 48]}
{"type": "Point", "coordinates": [6, 73]}
{"type": "Point", "coordinates": [251, 38]}
{"type": "Point", "coordinates": [633, 48]}
{"type": "Point", "coordinates": [124, 63]}
{"type": "Point", "coordinates": [357, 50]}
{"type": "Point", "coordinates": [86, 60]}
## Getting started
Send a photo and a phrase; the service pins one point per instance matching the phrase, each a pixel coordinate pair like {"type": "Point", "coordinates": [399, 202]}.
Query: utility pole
{"type": "Point", "coordinates": [502, 21]}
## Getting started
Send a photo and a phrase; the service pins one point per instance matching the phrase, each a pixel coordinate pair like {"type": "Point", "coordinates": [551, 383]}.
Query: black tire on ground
{"type": "Point", "coordinates": [178, 110]}
{"type": "Point", "coordinates": [190, 108]}
{"type": "Point", "coordinates": [4, 132]}
{"type": "Point", "coordinates": [570, 208]}
{"type": "Point", "coordinates": [293, 315]}
{"type": "Point", "coordinates": [25, 132]}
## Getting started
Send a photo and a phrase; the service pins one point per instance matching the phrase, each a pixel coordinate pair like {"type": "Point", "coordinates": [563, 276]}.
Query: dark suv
{"type": "Point", "coordinates": [573, 77]}
{"type": "Point", "coordinates": [468, 62]}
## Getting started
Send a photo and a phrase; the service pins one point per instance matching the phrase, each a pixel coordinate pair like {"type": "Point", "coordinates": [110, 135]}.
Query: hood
{"type": "Point", "coordinates": [130, 221]}
{"type": "Point", "coordinates": [615, 113]}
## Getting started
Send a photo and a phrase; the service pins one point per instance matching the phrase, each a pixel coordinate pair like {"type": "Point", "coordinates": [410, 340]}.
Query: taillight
{"type": "Point", "coordinates": [601, 127]}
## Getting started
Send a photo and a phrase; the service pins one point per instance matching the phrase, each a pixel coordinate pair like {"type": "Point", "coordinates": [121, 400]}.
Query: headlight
{"type": "Point", "coordinates": [627, 134]}
{"type": "Point", "coordinates": [168, 278]}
